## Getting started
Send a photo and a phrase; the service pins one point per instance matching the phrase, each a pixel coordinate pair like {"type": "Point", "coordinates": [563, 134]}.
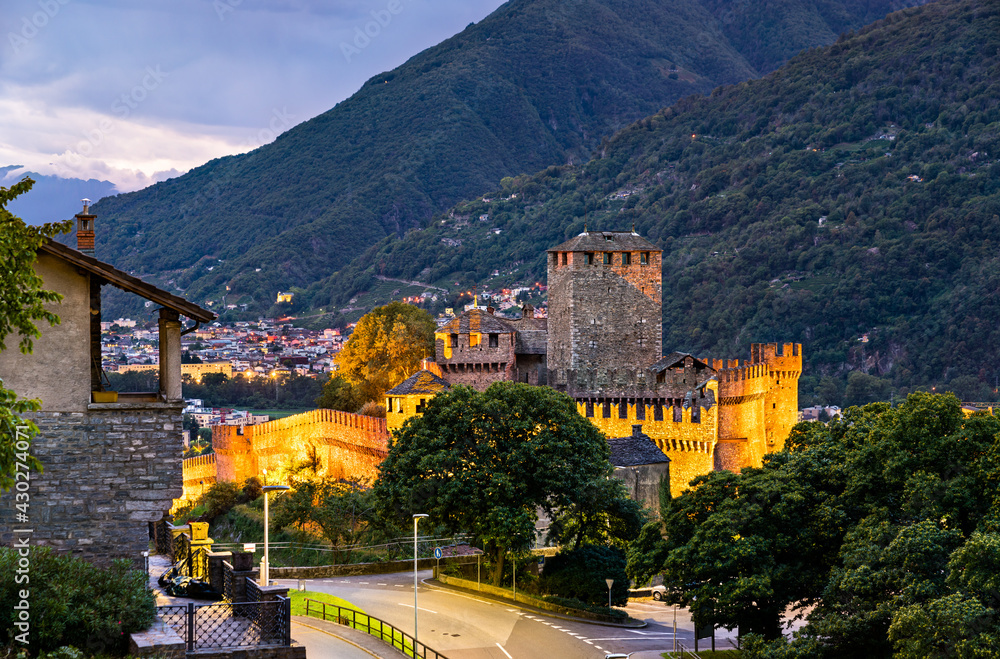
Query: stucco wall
{"type": "Point", "coordinates": [58, 370]}
{"type": "Point", "coordinates": [643, 483]}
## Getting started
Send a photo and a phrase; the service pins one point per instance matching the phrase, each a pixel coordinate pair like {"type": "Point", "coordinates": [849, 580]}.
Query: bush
{"type": "Point", "coordinates": [580, 574]}
{"type": "Point", "coordinates": [75, 603]}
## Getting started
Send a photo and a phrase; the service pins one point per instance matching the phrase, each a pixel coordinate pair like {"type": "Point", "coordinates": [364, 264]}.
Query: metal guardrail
{"type": "Point", "coordinates": [373, 626]}
{"type": "Point", "coordinates": [230, 624]}
{"type": "Point", "coordinates": [683, 652]}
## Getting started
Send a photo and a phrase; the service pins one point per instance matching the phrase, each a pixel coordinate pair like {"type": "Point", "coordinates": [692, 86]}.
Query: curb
{"type": "Point", "coordinates": [437, 585]}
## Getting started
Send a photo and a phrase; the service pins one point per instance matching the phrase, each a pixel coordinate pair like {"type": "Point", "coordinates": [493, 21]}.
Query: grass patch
{"type": "Point", "coordinates": [299, 598]}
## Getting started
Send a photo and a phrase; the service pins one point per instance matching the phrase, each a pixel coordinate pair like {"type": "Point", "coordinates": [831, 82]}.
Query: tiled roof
{"type": "Point", "coordinates": [476, 320]}
{"type": "Point", "coordinates": [675, 358]}
{"type": "Point", "coordinates": [635, 450]}
{"type": "Point", "coordinates": [606, 241]}
{"type": "Point", "coordinates": [421, 382]}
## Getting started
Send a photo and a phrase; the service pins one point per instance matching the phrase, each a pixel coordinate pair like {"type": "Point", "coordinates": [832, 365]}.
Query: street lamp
{"type": "Point", "coordinates": [416, 518]}
{"type": "Point", "coordinates": [265, 568]}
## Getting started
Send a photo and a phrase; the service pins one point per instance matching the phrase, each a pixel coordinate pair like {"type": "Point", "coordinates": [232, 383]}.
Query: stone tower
{"type": "Point", "coordinates": [604, 304]}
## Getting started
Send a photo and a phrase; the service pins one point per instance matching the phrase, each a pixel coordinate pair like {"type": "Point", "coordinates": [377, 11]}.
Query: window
{"type": "Point", "coordinates": [588, 258]}
{"type": "Point", "coordinates": [607, 258]}
{"type": "Point", "coordinates": [421, 406]}
{"type": "Point", "coordinates": [564, 257]}
{"type": "Point", "coordinates": [590, 409]}
{"type": "Point", "coordinates": [695, 414]}
{"type": "Point", "coordinates": [644, 258]}
{"type": "Point", "coordinates": [626, 258]}
{"type": "Point", "coordinates": [494, 340]}
{"type": "Point", "coordinates": [454, 340]}
{"type": "Point", "coordinates": [678, 414]}
{"type": "Point", "coordinates": [555, 258]}
{"type": "Point", "coordinates": [388, 404]}
{"type": "Point", "coordinates": [607, 409]}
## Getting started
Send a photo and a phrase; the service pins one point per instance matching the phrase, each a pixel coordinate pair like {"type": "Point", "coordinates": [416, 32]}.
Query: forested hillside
{"type": "Point", "coordinates": [850, 201]}
{"type": "Point", "coordinates": [537, 83]}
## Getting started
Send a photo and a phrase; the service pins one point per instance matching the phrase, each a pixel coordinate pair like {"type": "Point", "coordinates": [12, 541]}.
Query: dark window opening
{"type": "Point", "coordinates": [590, 409]}
{"type": "Point", "coordinates": [644, 258]}
{"type": "Point", "coordinates": [678, 414]}
{"type": "Point", "coordinates": [607, 409]}
{"type": "Point", "coordinates": [494, 340]}
{"type": "Point", "coordinates": [564, 258]}
{"type": "Point", "coordinates": [623, 409]}
{"type": "Point", "coordinates": [626, 258]}
{"type": "Point", "coordinates": [658, 412]}
{"type": "Point", "coordinates": [555, 258]}
{"type": "Point", "coordinates": [607, 258]}
{"type": "Point", "coordinates": [640, 410]}
{"type": "Point", "coordinates": [695, 414]}
{"type": "Point", "coordinates": [588, 258]}
{"type": "Point", "coordinates": [454, 340]}
{"type": "Point", "coordinates": [421, 406]}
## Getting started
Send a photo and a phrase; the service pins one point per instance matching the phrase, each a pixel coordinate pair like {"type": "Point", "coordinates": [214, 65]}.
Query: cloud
{"type": "Point", "coordinates": [126, 89]}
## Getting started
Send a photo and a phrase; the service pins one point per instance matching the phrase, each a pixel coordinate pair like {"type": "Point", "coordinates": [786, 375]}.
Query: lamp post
{"type": "Point", "coordinates": [416, 518]}
{"type": "Point", "coordinates": [265, 569]}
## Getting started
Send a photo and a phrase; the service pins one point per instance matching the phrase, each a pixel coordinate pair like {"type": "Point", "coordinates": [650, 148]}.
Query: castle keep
{"type": "Point", "coordinates": [601, 344]}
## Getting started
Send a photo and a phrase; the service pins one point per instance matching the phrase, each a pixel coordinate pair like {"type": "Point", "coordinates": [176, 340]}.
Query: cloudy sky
{"type": "Point", "coordinates": [135, 91]}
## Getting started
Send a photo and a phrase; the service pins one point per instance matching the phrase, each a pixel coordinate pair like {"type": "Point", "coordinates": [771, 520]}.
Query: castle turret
{"type": "Point", "coordinates": [604, 304]}
{"type": "Point", "coordinates": [781, 405]}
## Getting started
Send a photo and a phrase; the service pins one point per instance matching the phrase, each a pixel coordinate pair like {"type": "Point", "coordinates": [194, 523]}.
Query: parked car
{"type": "Point", "coordinates": [659, 592]}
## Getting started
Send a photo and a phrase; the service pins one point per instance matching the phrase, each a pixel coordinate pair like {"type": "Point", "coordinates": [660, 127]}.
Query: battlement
{"type": "Point", "coordinates": [631, 383]}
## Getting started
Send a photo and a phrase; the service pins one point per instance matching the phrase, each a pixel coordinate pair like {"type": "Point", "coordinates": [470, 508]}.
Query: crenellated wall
{"type": "Point", "coordinates": [199, 473]}
{"type": "Point", "coordinates": [348, 446]}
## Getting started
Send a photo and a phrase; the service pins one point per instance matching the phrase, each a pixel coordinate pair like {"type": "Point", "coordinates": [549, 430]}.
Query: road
{"type": "Point", "coordinates": [464, 627]}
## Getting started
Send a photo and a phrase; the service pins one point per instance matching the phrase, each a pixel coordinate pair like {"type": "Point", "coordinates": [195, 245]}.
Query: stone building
{"type": "Point", "coordinates": [641, 466]}
{"type": "Point", "coordinates": [112, 462]}
{"type": "Point", "coordinates": [408, 398]}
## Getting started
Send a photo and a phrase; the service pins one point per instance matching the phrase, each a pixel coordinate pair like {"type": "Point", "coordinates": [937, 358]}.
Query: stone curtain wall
{"type": "Point", "coordinates": [199, 474]}
{"type": "Point", "coordinates": [108, 472]}
{"type": "Point", "coordinates": [349, 446]}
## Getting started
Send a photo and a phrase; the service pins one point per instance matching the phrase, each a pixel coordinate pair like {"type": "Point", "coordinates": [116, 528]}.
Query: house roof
{"type": "Point", "coordinates": [635, 450]}
{"type": "Point", "coordinates": [127, 282]}
{"type": "Point", "coordinates": [421, 382]}
{"type": "Point", "coordinates": [675, 358]}
{"type": "Point", "coordinates": [476, 320]}
{"type": "Point", "coordinates": [606, 241]}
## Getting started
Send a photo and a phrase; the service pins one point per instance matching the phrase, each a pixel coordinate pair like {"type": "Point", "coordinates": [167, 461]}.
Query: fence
{"type": "Point", "coordinates": [372, 626]}
{"type": "Point", "coordinates": [230, 624]}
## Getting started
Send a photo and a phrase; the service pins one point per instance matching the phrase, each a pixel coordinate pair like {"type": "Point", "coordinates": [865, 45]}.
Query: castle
{"type": "Point", "coordinates": [602, 345]}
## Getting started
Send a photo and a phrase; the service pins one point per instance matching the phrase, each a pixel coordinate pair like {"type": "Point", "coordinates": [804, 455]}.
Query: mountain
{"type": "Point", "coordinates": [849, 201]}
{"type": "Point", "coordinates": [52, 199]}
{"type": "Point", "coordinates": [537, 83]}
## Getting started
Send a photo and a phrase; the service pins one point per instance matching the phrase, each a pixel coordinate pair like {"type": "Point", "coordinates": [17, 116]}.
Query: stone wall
{"type": "Point", "coordinates": [349, 446]}
{"type": "Point", "coordinates": [108, 472]}
{"type": "Point", "coordinates": [199, 474]}
{"type": "Point", "coordinates": [473, 362]}
{"type": "Point", "coordinates": [643, 483]}
{"type": "Point", "coordinates": [602, 316]}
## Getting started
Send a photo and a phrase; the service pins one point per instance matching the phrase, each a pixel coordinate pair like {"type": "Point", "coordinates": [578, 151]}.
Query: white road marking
{"type": "Point", "coordinates": [504, 651]}
{"type": "Point", "coordinates": [421, 608]}
{"type": "Point", "coordinates": [363, 583]}
{"type": "Point", "coordinates": [383, 584]}
{"type": "Point", "coordinates": [589, 642]}
{"type": "Point", "coordinates": [399, 585]}
{"type": "Point", "coordinates": [635, 632]}
{"type": "Point", "coordinates": [650, 637]}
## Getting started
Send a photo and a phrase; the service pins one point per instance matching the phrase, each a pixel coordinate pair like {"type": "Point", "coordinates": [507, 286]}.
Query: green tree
{"type": "Point", "coordinates": [23, 301]}
{"type": "Point", "coordinates": [386, 347]}
{"type": "Point", "coordinates": [341, 510]}
{"type": "Point", "coordinates": [338, 394]}
{"type": "Point", "coordinates": [485, 463]}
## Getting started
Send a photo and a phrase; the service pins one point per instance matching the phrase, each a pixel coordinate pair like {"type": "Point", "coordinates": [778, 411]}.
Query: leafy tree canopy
{"type": "Point", "coordinates": [386, 347]}
{"type": "Point", "coordinates": [23, 302]}
{"type": "Point", "coordinates": [484, 463]}
{"type": "Point", "coordinates": [886, 521]}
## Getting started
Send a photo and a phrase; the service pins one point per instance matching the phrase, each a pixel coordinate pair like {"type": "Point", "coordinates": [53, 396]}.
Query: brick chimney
{"type": "Point", "coordinates": [85, 230]}
{"type": "Point", "coordinates": [527, 311]}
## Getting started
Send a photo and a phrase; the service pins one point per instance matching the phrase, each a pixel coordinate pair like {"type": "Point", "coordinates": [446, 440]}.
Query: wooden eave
{"type": "Point", "coordinates": [127, 282]}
